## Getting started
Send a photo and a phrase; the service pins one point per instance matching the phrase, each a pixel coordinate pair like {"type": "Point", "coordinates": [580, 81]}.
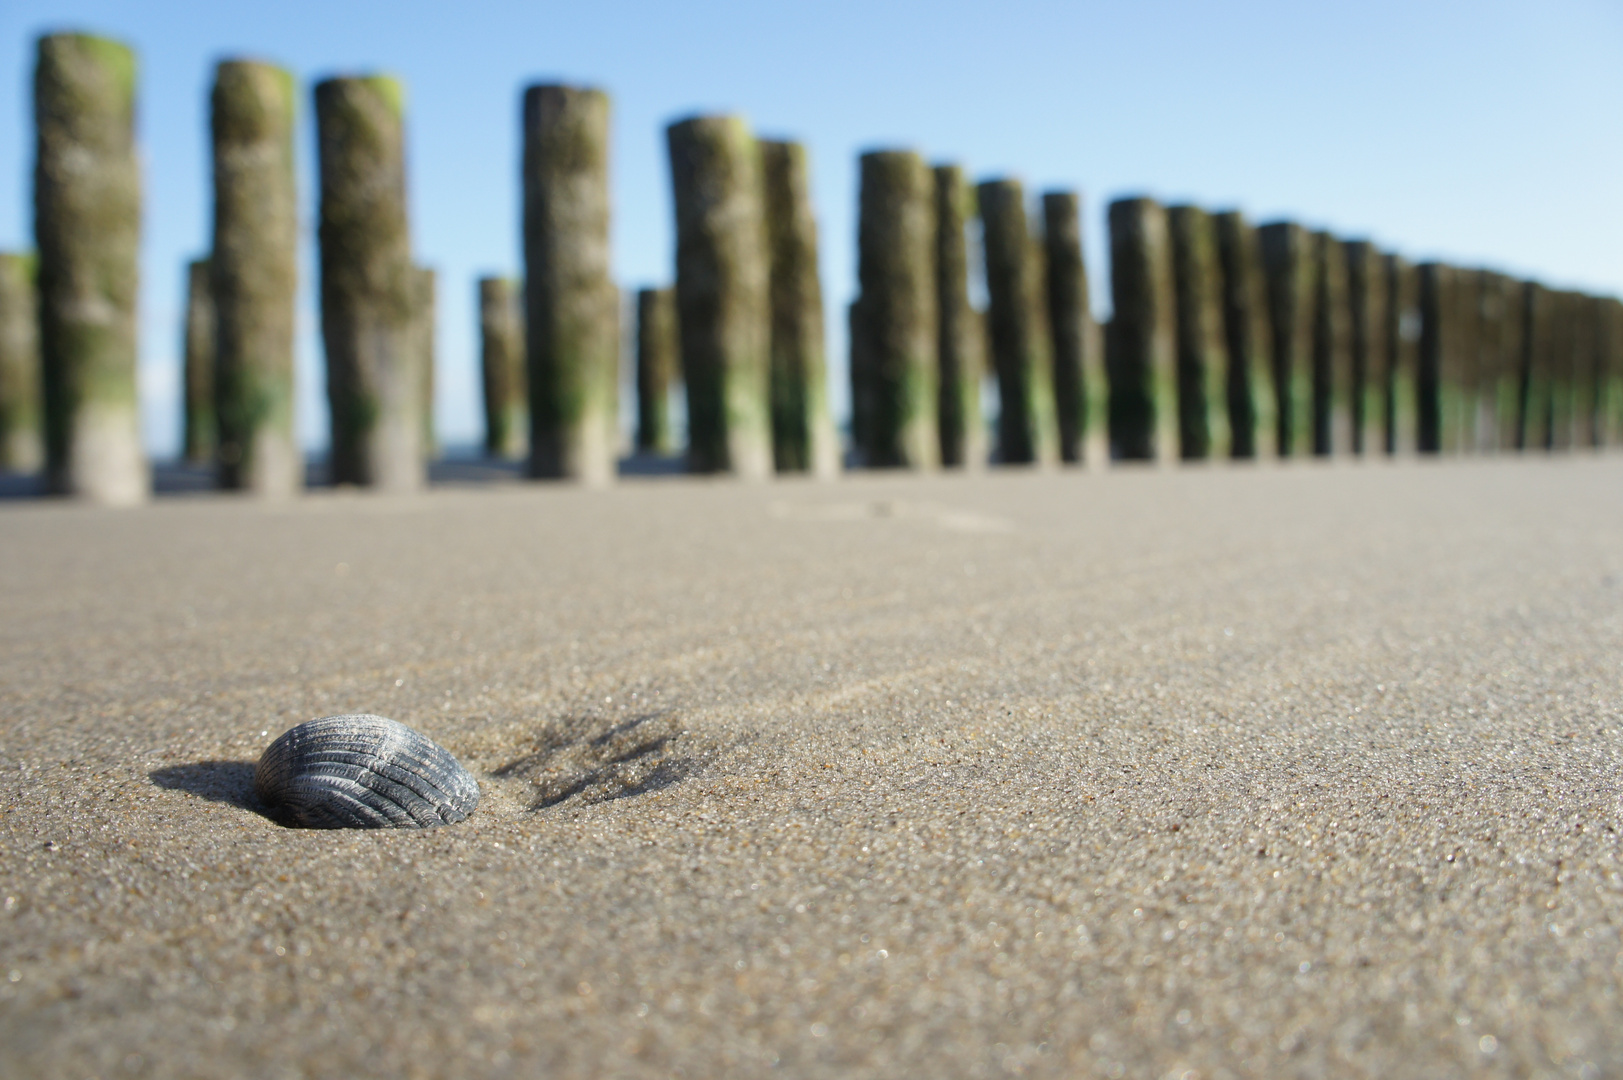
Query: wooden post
{"type": "Point", "coordinates": [22, 448]}
{"type": "Point", "coordinates": [657, 348]}
{"type": "Point", "coordinates": [1248, 335]}
{"type": "Point", "coordinates": [1332, 350]}
{"type": "Point", "coordinates": [1446, 398]}
{"type": "Point", "coordinates": [87, 225]}
{"type": "Point", "coordinates": [1503, 323]}
{"type": "Point", "coordinates": [199, 432]}
{"type": "Point", "coordinates": [1533, 416]}
{"type": "Point", "coordinates": [1401, 380]}
{"type": "Point", "coordinates": [572, 308]}
{"type": "Point", "coordinates": [254, 272]}
{"type": "Point", "coordinates": [374, 381]}
{"type": "Point", "coordinates": [1368, 294]}
{"type": "Point", "coordinates": [1079, 379]}
{"type": "Point", "coordinates": [1143, 388]}
{"type": "Point", "coordinates": [961, 331]}
{"type": "Point", "coordinates": [501, 367]}
{"type": "Point", "coordinates": [1203, 363]}
{"type": "Point", "coordinates": [1563, 368]}
{"type": "Point", "coordinates": [1291, 273]}
{"type": "Point", "coordinates": [425, 329]}
{"type": "Point", "coordinates": [1612, 373]}
{"type": "Point", "coordinates": [723, 295]}
{"type": "Point", "coordinates": [1028, 431]}
{"type": "Point", "coordinates": [803, 435]}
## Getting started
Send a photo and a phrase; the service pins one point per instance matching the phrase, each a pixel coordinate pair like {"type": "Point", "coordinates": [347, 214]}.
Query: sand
{"type": "Point", "coordinates": [1289, 771]}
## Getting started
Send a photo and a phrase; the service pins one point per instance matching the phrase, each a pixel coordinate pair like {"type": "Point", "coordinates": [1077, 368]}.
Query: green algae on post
{"type": "Point", "coordinates": [896, 240]}
{"type": "Point", "coordinates": [722, 295]}
{"type": "Point", "coordinates": [657, 374]}
{"type": "Point", "coordinates": [961, 332]}
{"type": "Point", "coordinates": [1291, 272]}
{"type": "Point", "coordinates": [87, 225]}
{"type": "Point", "coordinates": [572, 307]}
{"type": "Point", "coordinates": [368, 294]}
{"type": "Point", "coordinates": [1143, 382]}
{"type": "Point", "coordinates": [1017, 327]}
{"type": "Point", "coordinates": [1203, 429]}
{"type": "Point", "coordinates": [1070, 323]}
{"type": "Point", "coordinates": [1248, 338]}
{"type": "Point", "coordinates": [254, 269]}
{"type": "Point", "coordinates": [200, 432]}
{"type": "Point", "coordinates": [1367, 297]}
{"type": "Point", "coordinates": [22, 449]}
{"type": "Point", "coordinates": [1332, 349]}
{"type": "Point", "coordinates": [804, 438]}
{"type": "Point", "coordinates": [501, 365]}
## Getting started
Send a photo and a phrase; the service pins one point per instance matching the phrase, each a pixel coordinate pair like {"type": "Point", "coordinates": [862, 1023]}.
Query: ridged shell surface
{"type": "Point", "coordinates": [363, 772]}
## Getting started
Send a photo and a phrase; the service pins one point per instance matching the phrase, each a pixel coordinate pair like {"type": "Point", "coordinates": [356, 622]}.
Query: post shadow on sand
{"type": "Point", "coordinates": [217, 781]}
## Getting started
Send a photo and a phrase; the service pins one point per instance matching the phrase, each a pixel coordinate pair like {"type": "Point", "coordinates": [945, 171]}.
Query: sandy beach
{"type": "Point", "coordinates": [1304, 771]}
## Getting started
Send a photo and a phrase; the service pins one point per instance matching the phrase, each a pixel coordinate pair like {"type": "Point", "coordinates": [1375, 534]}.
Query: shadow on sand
{"type": "Point", "coordinates": [217, 781]}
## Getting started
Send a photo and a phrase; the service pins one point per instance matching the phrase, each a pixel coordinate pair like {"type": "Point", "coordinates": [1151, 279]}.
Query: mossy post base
{"type": "Point", "coordinates": [658, 349]}
{"type": "Point", "coordinates": [87, 225]}
{"type": "Point", "coordinates": [1332, 349]}
{"type": "Point", "coordinates": [896, 242]}
{"type": "Point", "coordinates": [1367, 298]}
{"type": "Point", "coordinates": [1143, 388]}
{"type": "Point", "coordinates": [200, 432]}
{"type": "Point", "coordinates": [803, 435]}
{"type": "Point", "coordinates": [1203, 422]}
{"type": "Point", "coordinates": [22, 447]}
{"type": "Point", "coordinates": [961, 332]}
{"type": "Point", "coordinates": [723, 295]}
{"type": "Point", "coordinates": [1017, 328]}
{"type": "Point", "coordinates": [1290, 270]}
{"type": "Point", "coordinates": [1248, 339]}
{"type": "Point", "coordinates": [254, 267]}
{"type": "Point", "coordinates": [572, 307]}
{"type": "Point", "coordinates": [1071, 331]}
{"type": "Point", "coordinates": [368, 287]}
{"type": "Point", "coordinates": [501, 365]}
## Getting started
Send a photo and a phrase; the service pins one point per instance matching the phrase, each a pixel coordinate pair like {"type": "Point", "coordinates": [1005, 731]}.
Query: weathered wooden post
{"type": "Point", "coordinates": [501, 366]}
{"type": "Point", "coordinates": [1028, 432]}
{"type": "Point", "coordinates": [368, 324]}
{"type": "Point", "coordinates": [1563, 368]}
{"type": "Point", "coordinates": [1290, 269]}
{"type": "Point", "coordinates": [804, 438]}
{"type": "Point", "coordinates": [1401, 380]}
{"type": "Point", "coordinates": [1332, 349]}
{"type": "Point", "coordinates": [1533, 416]}
{"type": "Point", "coordinates": [1368, 294]}
{"type": "Point", "coordinates": [1496, 380]}
{"type": "Point", "coordinates": [1248, 336]}
{"type": "Point", "coordinates": [1203, 423]}
{"type": "Point", "coordinates": [1612, 374]}
{"type": "Point", "coordinates": [1512, 337]}
{"type": "Point", "coordinates": [657, 369]}
{"type": "Point", "coordinates": [1143, 388]}
{"type": "Point", "coordinates": [87, 225]}
{"type": "Point", "coordinates": [1446, 400]}
{"type": "Point", "coordinates": [1467, 308]}
{"type": "Point", "coordinates": [1074, 340]}
{"type": "Point", "coordinates": [1588, 429]}
{"type": "Point", "coordinates": [22, 448]}
{"type": "Point", "coordinates": [961, 330]}
{"type": "Point", "coordinates": [254, 276]}
{"type": "Point", "coordinates": [896, 239]}
{"type": "Point", "coordinates": [572, 308]}
{"type": "Point", "coordinates": [199, 431]}
{"type": "Point", "coordinates": [425, 330]}
{"type": "Point", "coordinates": [722, 295]}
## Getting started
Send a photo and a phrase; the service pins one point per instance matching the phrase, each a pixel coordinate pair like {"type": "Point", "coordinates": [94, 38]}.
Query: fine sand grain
{"type": "Point", "coordinates": [1306, 771]}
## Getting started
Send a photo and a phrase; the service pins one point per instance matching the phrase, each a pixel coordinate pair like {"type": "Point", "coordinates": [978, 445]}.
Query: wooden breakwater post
{"type": "Point", "coordinates": [199, 430]}
{"type": "Point", "coordinates": [1290, 270]}
{"type": "Point", "coordinates": [961, 330]}
{"type": "Point", "coordinates": [22, 446]}
{"type": "Point", "coordinates": [1332, 349]}
{"type": "Point", "coordinates": [1498, 379]}
{"type": "Point", "coordinates": [1400, 382]}
{"type": "Point", "coordinates": [896, 317]}
{"type": "Point", "coordinates": [425, 335]}
{"type": "Point", "coordinates": [1017, 328]}
{"type": "Point", "coordinates": [1533, 412]}
{"type": "Point", "coordinates": [1611, 370]}
{"type": "Point", "coordinates": [572, 308]}
{"type": "Point", "coordinates": [658, 369]}
{"type": "Point", "coordinates": [1143, 336]}
{"type": "Point", "coordinates": [722, 295]}
{"type": "Point", "coordinates": [1444, 396]}
{"type": "Point", "coordinates": [368, 293]}
{"type": "Point", "coordinates": [501, 368]}
{"type": "Point", "coordinates": [1368, 295]}
{"type": "Point", "coordinates": [87, 226]}
{"type": "Point", "coordinates": [1203, 421]}
{"type": "Point", "coordinates": [1248, 336]}
{"type": "Point", "coordinates": [254, 275]}
{"type": "Point", "coordinates": [804, 438]}
{"type": "Point", "coordinates": [1079, 383]}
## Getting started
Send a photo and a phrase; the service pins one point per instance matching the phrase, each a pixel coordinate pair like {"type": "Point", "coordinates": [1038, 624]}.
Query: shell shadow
{"type": "Point", "coordinates": [217, 781]}
{"type": "Point", "coordinates": [582, 756]}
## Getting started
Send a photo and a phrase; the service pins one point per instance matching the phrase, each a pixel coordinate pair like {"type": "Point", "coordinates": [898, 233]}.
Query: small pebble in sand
{"type": "Point", "coordinates": [363, 772]}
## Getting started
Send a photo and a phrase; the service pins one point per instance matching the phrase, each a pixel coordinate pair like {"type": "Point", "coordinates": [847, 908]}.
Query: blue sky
{"type": "Point", "coordinates": [1485, 133]}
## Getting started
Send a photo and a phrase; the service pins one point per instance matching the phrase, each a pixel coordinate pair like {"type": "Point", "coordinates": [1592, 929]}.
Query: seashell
{"type": "Point", "coordinates": [363, 772]}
